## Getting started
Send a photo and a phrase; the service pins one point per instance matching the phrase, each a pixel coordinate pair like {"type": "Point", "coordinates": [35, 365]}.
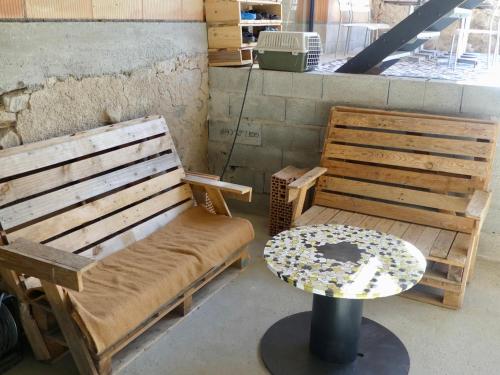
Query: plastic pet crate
{"type": "Point", "coordinates": [288, 51]}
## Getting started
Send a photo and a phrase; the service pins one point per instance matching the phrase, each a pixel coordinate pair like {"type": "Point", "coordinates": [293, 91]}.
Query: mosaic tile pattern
{"type": "Point", "coordinates": [344, 262]}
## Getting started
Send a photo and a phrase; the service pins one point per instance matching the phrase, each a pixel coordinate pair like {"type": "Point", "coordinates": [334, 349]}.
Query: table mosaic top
{"type": "Point", "coordinates": [344, 262]}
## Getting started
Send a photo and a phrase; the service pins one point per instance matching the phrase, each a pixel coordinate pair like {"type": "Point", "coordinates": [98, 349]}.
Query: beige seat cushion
{"type": "Point", "coordinates": [127, 287]}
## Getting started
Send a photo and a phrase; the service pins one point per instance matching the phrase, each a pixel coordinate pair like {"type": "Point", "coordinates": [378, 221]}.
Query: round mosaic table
{"type": "Point", "coordinates": [342, 266]}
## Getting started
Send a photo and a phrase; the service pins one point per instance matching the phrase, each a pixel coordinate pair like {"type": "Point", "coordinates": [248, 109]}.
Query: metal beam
{"type": "Point", "coordinates": [399, 35]}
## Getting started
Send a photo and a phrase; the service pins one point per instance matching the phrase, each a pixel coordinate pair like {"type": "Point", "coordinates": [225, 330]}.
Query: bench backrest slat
{"type": "Point", "coordinates": [114, 179]}
{"type": "Point", "coordinates": [405, 166]}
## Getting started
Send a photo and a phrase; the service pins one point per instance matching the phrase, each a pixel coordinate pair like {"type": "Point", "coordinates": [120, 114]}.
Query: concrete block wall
{"type": "Point", "coordinates": [285, 116]}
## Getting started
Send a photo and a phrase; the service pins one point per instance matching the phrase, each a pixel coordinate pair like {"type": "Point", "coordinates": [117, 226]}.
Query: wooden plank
{"type": "Point", "coordinates": [341, 217]}
{"type": "Point", "coordinates": [219, 185]}
{"type": "Point", "coordinates": [370, 222]}
{"type": "Point", "coordinates": [458, 253]}
{"type": "Point", "coordinates": [408, 160]}
{"type": "Point", "coordinates": [413, 233]}
{"type": "Point", "coordinates": [35, 183]}
{"type": "Point", "coordinates": [384, 225]}
{"type": "Point", "coordinates": [395, 194]}
{"type": "Point", "coordinates": [137, 233]}
{"type": "Point", "coordinates": [427, 239]}
{"type": "Point", "coordinates": [94, 232]}
{"type": "Point", "coordinates": [422, 179]}
{"type": "Point", "coordinates": [45, 263]}
{"type": "Point", "coordinates": [37, 207]}
{"type": "Point", "coordinates": [398, 229]}
{"type": "Point", "coordinates": [306, 181]}
{"type": "Point", "coordinates": [478, 205]}
{"type": "Point", "coordinates": [324, 217]}
{"type": "Point", "coordinates": [439, 145]}
{"type": "Point", "coordinates": [37, 155]}
{"type": "Point", "coordinates": [391, 211]}
{"type": "Point", "coordinates": [65, 221]}
{"type": "Point", "coordinates": [307, 216]}
{"type": "Point", "coordinates": [355, 220]}
{"type": "Point", "coordinates": [442, 245]}
{"type": "Point", "coordinates": [416, 123]}
{"type": "Point", "coordinates": [59, 301]}
{"type": "Point", "coordinates": [218, 201]}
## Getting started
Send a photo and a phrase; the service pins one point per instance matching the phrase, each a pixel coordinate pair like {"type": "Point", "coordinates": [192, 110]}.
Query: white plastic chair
{"type": "Point", "coordinates": [462, 35]}
{"type": "Point", "coordinates": [347, 9]}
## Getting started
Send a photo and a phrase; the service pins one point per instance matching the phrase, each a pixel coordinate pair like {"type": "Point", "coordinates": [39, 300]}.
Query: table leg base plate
{"type": "Point", "coordinates": [285, 350]}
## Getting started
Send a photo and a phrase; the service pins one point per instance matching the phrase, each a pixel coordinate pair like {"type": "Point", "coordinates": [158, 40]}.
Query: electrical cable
{"type": "Point", "coordinates": [224, 170]}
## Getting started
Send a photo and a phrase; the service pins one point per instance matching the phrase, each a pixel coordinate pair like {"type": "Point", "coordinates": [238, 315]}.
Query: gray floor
{"type": "Point", "coordinates": [222, 336]}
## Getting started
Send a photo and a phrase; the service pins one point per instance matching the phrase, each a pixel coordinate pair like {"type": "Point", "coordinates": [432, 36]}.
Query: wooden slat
{"type": "Point", "coordinates": [324, 217]}
{"type": "Point", "coordinates": [412, 142]}
{"type": "Point", "coordinates": [384, 225]}
{"type": "Point", "coordinates": [137, 233]}
{"type": "Point", "coordinates": [391, 211]}
{"type": "Point", "coordinates": [341, 217]}
{"type": "Point", "coordinates": [309, 215]}
{"type": "Point", "coordinates": [112, 224]}
{"type": "Point", "coordinates": [416, 123]}
{"type": "Point", "coordinates": [35, 208]}
{"type": "Point", "coordinates": [442, 245]}
{"type": "Point", "coordinates": [413, 233]}
{"type": "Point", "coordinates": [57, 150]}
{"type": "Point", "coordinates": [478, 205]}
{"type": "Point", "coordinates": [395, 194]}
{"type": "Point", "coordinates": [458, 253]}
{"type": "Point", "coordinates": [398, 229]}
{"type": "Point", "coordinates": [65, 221]}
{"type": "Point", "coordinates": [235, 190]}
{"type": "Point", "coordinates": [304, 182]}
{"type": "Point", "coordinates": [45, 262]}
{"type": "Point", "coordinates": [427, 239]}
{"type": "Point", "coordinates": [370, 222]}
{"type": "Point", "coordinates": [49, 179]}
{"type": "Point", "coordinates": [431, 180]}
{"type": "Point", "coordinates": [408, 160]}
{"type": "Point", "coordinates": [355, 220]}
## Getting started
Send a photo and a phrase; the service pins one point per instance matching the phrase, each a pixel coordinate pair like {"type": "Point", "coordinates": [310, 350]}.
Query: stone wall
{"type": "Point", "coordinates": [59, 78]}
{"type": "Point", "coordinates": [286, 114]}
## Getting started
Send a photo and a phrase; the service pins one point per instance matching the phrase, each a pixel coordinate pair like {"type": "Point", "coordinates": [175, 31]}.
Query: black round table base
{"type": "Point", "coordinates": [285, 350]}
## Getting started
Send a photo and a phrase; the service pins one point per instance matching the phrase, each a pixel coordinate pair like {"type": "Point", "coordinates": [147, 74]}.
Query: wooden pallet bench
{"type": "Point", "coordinates": [423, 178]}
{"type": "Point", "coordinates": [103, 225]}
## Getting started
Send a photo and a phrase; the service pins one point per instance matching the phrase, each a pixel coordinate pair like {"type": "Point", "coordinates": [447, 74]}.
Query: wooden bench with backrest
{"type": "Point", "coordinates": [421, 177]}
{"type": "Point", "coordinates": [105, 224]}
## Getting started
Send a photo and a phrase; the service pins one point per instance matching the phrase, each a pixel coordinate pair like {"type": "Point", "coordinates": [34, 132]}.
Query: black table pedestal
{"type": "Point", "coordinates": [332, 339]}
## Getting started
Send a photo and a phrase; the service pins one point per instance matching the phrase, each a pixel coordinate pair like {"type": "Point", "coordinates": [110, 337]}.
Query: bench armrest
{"type": "Point", "coordinates": [305, 182]}
{"type": "Point", "coordinates": [46, 263]}
{"type": "Point", "coordinates": [239, 192]}
{"type": "Point", "coordinates": [478, 205]}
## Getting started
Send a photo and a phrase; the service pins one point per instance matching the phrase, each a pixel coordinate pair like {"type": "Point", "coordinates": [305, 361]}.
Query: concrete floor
{"type": "Point", "coordinates": [222, 336]}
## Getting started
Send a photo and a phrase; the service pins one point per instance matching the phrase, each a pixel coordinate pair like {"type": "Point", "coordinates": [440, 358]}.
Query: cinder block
{"type": "Point", "coordinates": [307, 86]}
{"type": "Point", "coordinates": [481, 101]}
{"type": "Point", "coordinates": [301, 111]}
{"type": "Point", "coordinates": [257, 158]}
{"type": "Point", "coordinates": [443, 97]}
{"type": "Point", "coordinates": [59, 9]}
{"type": "Point", "coordinates": [258, 206]}
{"type": "Point", "coordinates": [290, 137]}
{"type": "Point", "coordinates": [406, 93]}
{"type": "Point", "coordinates": [322, 114]}
{"type": "Point", "coordinates": [356, 89]}
{"type": "Point", "coordinates": [267, 182]}
{"type": "Point", "coordinates": [217, 156]}
{"type": "Point", "coordinates": [12, 9]}
{"type": "Point", "coordinates": [258, 107]}
{"type": "Point", "coordinates": [301, 159]}
{"type": "Point", "coordinates": [218, 106]}
{"type": "Point", "coordinates": [15, 101]}
{"type": "Point", "coordinates": [224, 131]}
{"type": "Point", "coordinates": [277, 83]}
{"type": "Point", "coordinates": [7, 119]}
{"type": "Point", "coordinates": [247, 177]}
{"type": "Point", "coordinates": [235, 80]}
